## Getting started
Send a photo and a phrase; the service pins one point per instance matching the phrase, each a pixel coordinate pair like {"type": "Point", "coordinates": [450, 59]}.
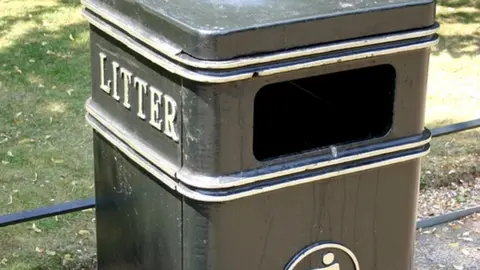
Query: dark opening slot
{"type": "Point", "coordinates": [305, 114]}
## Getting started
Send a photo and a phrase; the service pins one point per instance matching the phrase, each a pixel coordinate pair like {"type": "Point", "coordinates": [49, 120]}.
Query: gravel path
{"type": "Point", "coordinates": [455, 246]}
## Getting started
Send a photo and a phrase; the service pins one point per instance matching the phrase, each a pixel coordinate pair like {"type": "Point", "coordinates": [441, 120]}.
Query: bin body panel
{"type": "Point", "coordinates": [372, 213]}
{"type": "Point", "coordinates": [138, 220]}
{"type": "Point", "coordinates": [213, 29]}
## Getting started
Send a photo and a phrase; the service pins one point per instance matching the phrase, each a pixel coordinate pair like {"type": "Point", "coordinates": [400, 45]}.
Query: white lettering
{"type": "Point", "coordinates": [115, 67]}
{"type": "Point", "coordinates": [127, 80]}
{"type": "Point", "coordinates": [141, 86]}
{"type": "Point", "coordinates": [155, 102]}
{"type": "Point", "coordinates": [103, 86]}
{"type": "Point", "coordinates": [163, 119]}
{"type": "Point", "coordinates": [170, 115]}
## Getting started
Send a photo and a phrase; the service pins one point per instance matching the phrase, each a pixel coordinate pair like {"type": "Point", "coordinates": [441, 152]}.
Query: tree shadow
{"type": "Point", "coordinates": [459, 3]}
{"type": "Point", "coordinates": [70, 3]}
{"type": "Point", "coordinates": [458, 45]}
{"type": "Point", "coordinates": [460, 17]}
{"type": "Point", "coordinates": [35, 15]}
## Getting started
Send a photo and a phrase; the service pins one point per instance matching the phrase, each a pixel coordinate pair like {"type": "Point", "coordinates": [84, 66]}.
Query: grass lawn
{"type": "Point", "coordinates": [45, 145]}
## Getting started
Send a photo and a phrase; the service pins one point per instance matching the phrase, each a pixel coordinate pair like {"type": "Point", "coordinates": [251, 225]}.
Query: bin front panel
{"type": "Point", "coordinates": [138, 219]}
{"type": "Point", "coordinates": [219, 118]}
{"type": "Point", "coordinates": [213, 29]}
{"type": "Point", "coordinates": [372, 213]}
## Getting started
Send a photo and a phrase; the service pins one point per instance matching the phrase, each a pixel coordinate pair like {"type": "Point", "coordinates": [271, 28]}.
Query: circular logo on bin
{"type": "Point", "coordinates": [324, 256]}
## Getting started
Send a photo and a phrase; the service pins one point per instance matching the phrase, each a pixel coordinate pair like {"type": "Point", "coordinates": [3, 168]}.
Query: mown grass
{"type": "Point", "coordinates": [45, 145]}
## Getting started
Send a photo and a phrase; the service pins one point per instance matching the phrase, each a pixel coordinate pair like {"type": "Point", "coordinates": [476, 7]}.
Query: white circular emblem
{"type": "Point", "coordinates": [324, 256]}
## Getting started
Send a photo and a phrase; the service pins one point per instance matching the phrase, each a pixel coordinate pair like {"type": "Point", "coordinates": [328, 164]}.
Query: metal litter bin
{"type": "Point", "coordinates": [258, 134]}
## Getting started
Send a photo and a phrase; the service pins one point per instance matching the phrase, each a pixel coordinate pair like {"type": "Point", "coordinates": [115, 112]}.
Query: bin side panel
{"type": "Point", "coordinates": [142, 119]}
{"type": "Point", "coordinates": [138, 220]}
{"type": "Point", "coordinates": [372, 213]}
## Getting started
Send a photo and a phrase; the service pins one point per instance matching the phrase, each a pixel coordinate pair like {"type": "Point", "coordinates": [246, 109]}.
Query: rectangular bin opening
{"type": "Point", "coordinates": [315, 112]}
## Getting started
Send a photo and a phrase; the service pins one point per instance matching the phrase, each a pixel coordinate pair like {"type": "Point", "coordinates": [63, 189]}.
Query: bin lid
{"type": "Point", "coordinates": [227, 29]}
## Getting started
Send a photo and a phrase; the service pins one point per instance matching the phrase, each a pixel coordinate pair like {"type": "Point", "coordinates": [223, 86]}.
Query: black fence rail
{"type": "Point", "coordinates": [74, 206]}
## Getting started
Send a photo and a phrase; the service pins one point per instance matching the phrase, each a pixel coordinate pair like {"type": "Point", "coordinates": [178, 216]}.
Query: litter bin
{"type": "Point", "coordinates": [258, 134]}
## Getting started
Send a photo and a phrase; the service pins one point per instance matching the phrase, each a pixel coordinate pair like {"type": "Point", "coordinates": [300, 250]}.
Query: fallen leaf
{"type": "Point", "coordinates": [84, 232]}
{"type": "Point", "coordinates": [31, 60]}
{"type": "Point", "coordinates": [461, 199]}
{"type": "Point", "coordinates": [4, 162]}
{"type": "Point", "coordinates": [456, 244]}
{"type": "Point", "coordinates": [10, 154]}
{"type": "Point", "coordinates": [34, 227]}
{"type": "Point", "coordinates": [41, 86]}
{"type": "Point", "coordinates": [17, 69]}
{"type": "Point", "coordinates": [51, 253]}
{"type": "Point", "coordinates": [44, 43]}
{"type": "Point", "coordinates": [57, 161]}
{"type": "Point", "coordinates": [466, 233]}
{"type": "Point", "coordinates": [71, 37]}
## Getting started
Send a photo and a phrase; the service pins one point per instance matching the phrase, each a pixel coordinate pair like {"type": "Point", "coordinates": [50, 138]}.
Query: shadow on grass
{"type": "Point", "coordinates": [70, 3]}
{"type": "Point", "coordinates": [7, 22]}
{"type": "Point", "coordinates": [462, 17]}
{"type": "Point", "coordinates": [459, 13]}
{"type": "Point", "coordinates": [459, 3]}
{"type": "Point", "coordinates": [43, 58]}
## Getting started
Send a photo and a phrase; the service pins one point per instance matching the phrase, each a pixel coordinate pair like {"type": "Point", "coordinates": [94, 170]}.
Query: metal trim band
{"type": "Point", "coordinates": [177, 55]}
{"type": "Point", "coordinates": [201, 196]}
{"type": "Point", "coordinates": [242, 179]}
{"type": "Point", "coordinates": [264, 71]}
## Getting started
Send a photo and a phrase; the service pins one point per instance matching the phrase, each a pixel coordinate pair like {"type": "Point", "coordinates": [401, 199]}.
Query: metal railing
{"type": "Point", "coordinates": [74, 206]}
